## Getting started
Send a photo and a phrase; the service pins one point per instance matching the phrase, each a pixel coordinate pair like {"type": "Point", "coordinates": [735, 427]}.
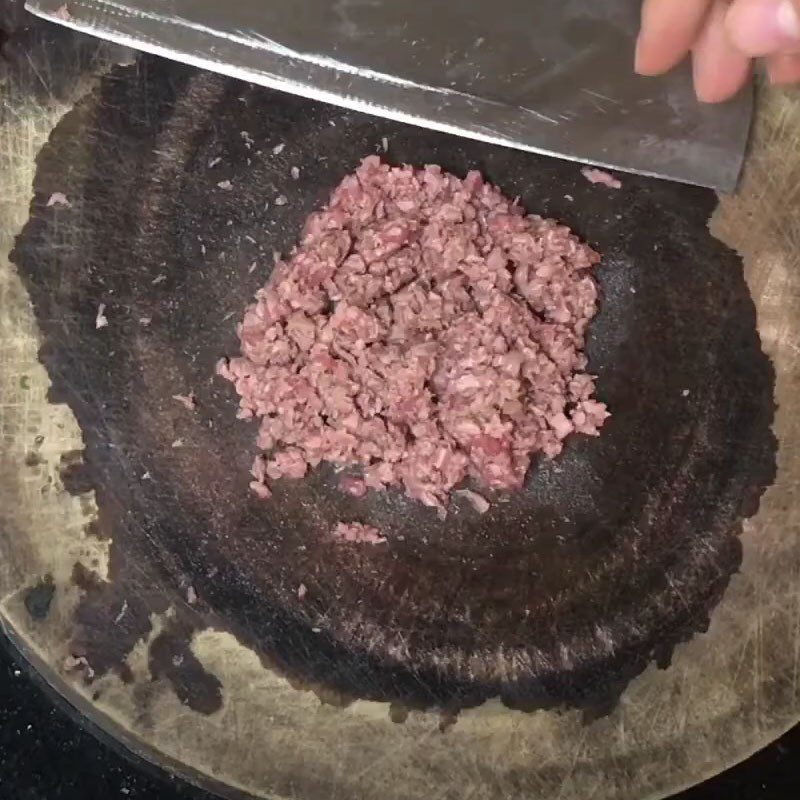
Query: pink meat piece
{"type": "Point", "coordinates": [357, 533]}
{"type": "Point", "coordinates": [424, 331]}
{"type": "Point", "coordinates": [477, 501]}
{"type": "Point", "coordinates": [188, 401]}
{"type": "Point", "coordinates": [288, 463]}
{"type": "Point", "coordinates": [602, 177]}
{"type": "Point", "coordinates": [261, 490]}
{"type": "Point", "coordinates": [353, 486]}
{"type": "Point", "coordinates": [259, 474]}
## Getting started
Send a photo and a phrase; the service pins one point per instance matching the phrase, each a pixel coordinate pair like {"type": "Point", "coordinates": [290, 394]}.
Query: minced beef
{"type": "Point", "coordinates": [424, 331]}
{"type": "Point", "coordinates": [356, 533]}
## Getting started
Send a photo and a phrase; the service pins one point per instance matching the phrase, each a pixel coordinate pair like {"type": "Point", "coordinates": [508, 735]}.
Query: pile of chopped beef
{"type": "Point", "coordinates": [425, 331]}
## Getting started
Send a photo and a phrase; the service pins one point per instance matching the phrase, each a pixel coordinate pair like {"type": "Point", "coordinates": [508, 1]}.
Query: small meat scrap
{"type": "Point", "coordinates": [301, 591]}
{"type": "Point", "coordinates": [258, 471]}
{"type": "Point", "coordinates": [62, 13]}
{"type": "Point", "coordinates": [58, 199]}
{"type": "Point", "coordinates": [261, 490]}
{"type": "Point", "coordinates": [477, 501]}
{"type": "Point", "coordinates": [73, 663]}
{"type": "Point", "coordinates": [281, 199]}
{"type": "Point", "coordinates": [188, 401]}
{"type": "Point", "coordinates": [101, 321]}
{"type": "Point", "coordinates": [599, 176]}
{"type": "Point", "coordinates": [353, 486]}
{"type": "Point", "coordinates": [295, 173]}
{"type": "Point", "coordinates": [287, 463]}
{"type": "Point", "coordinates": [425, 331]}
{"type": "Point", "coordinates": [278, 149]}
{"type": "Point", "coordinates": [226, 186]}
{"type": "Point", "coordinates": [356, 533]}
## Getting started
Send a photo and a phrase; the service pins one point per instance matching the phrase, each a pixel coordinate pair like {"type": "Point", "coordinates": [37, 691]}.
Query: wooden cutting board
{"type": "Point", "coordinates": [559, 646]}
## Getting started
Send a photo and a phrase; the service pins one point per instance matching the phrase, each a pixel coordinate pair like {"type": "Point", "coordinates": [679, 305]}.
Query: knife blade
{"type": "Point", "coordinates": [548, 76]}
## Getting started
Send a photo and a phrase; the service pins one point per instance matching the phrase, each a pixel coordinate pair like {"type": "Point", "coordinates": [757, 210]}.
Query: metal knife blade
{"type": "Point", "coordinates": [548, 76]}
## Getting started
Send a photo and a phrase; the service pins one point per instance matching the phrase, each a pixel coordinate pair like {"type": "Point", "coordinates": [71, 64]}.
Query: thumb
{"type": "Point", "coordinates": [764, 27]}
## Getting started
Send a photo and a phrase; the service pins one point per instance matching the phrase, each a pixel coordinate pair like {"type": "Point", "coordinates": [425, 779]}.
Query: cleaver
{"type": "Point", "coordinates": [547, 76]}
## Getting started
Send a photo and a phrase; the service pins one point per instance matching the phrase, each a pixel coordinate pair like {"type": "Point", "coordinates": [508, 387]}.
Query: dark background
{"type": "Point", "coordinates": [45, 754]}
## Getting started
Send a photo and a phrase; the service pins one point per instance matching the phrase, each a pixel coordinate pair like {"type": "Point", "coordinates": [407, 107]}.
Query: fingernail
{"type": "Point", "coordinates": [637, 59]}
{"type": "Point", "coordinates": [763, 27]}
{"type": "Point", "coordinates": [788, 20]}
{"type": "Point", "coordinates": [642, 63]}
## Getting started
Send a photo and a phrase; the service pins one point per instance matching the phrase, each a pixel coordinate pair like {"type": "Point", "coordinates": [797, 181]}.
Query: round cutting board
{"type": "Point", "coordinates": [624, 627]}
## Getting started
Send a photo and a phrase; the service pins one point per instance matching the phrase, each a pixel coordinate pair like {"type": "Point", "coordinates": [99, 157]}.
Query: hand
{"type": "Point", "coordinates": [724, 37]}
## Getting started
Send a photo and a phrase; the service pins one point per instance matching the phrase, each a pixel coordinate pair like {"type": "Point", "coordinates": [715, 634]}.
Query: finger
{"type": "Point", "coordinates": [669, 29]}
{"type": "Point", "coordinates": [720, 70]}
{"type": "Point", "coordinates": [764, 27]}
{"type": "Point", "coordinates": [784, 69]}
